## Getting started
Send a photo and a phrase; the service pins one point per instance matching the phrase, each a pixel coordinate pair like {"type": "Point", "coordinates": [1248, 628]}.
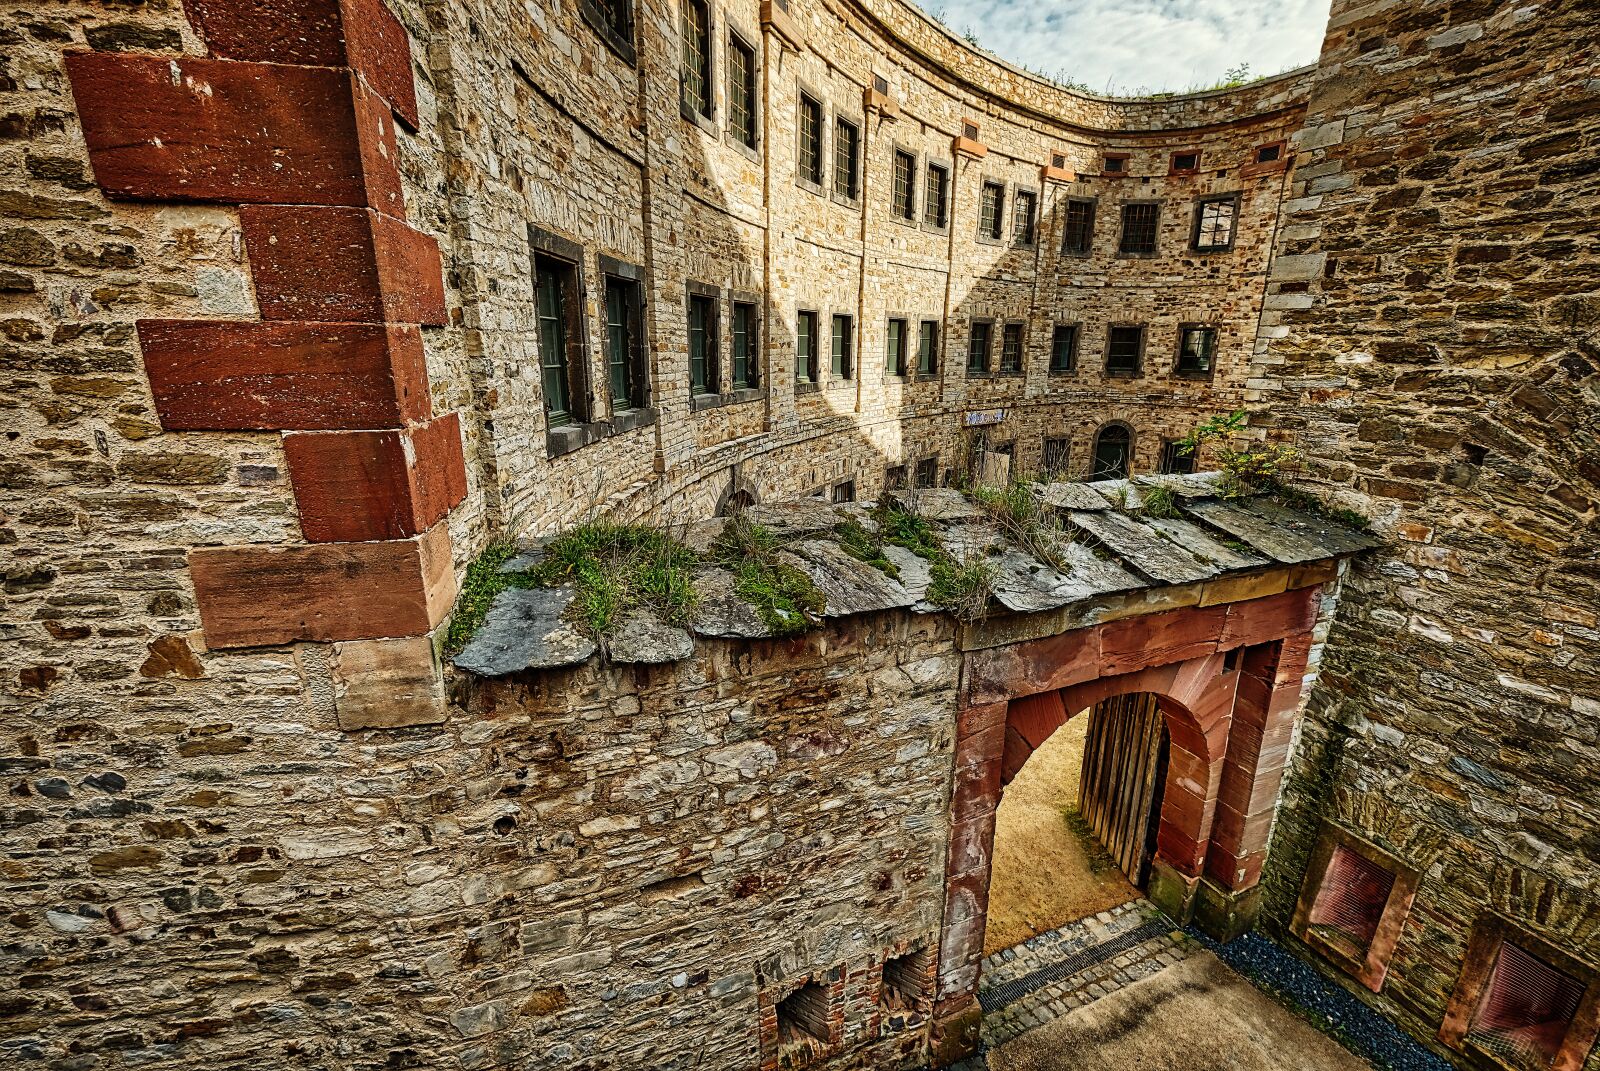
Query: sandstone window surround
{"type": "Point", "coordinates": [847, 161]}
{"type": "Point", "coordinates": [842, 348]}
{"type": "Point", "coordinates": [1521, 1001]}
{"type": "Point", "coordinates": [744, 93]}
{"type": "Point", "coordinates": [1125, 349]}
{"type": "Point", "coordinates": [936, 197]}
{"type": "Point", "coordinates": [1115, 164]}
{"type": "Point", "coordinates": [980, 339]}
{"type": "Point", "coordinates": [627, 354]}
{"type": "Point", "coordinates": [1077, 232]}
{"type": "Point", "coordinates": [1184, 162]}
{"type": "Point", "coordinates": [1354, 903]}
{"type": "Point", "coordinates": [1176, 459]}
{"type": "Point", "coordinates": [903, 187]}
{"type": "Point", "coordinates": [806, 375]}
{"type": "Point", "coordinates": [809, 127]}
{"type": "Point", "coordinates": [1025, 217]}
{"type": "Point", "coordinates": [1197, 351]}
{"type": "Point", "coordinates": [1057, 456]}
{"type": "Point", "coordinates": [705, 379]}
{"type": "Point", "coordinates": [1013, 345]}
{"type": "Point", "coordinates": [1064, 348]}
{"type": "Point", "coordinates": [613, 21]}
{"type": "Point", "coordinates": [1113, 452]}
{"type": "Point", "coordinates": [927, 472]}
{"type": "Point", "coordinates": [745, 342]}
{"type": "Point", "coordinates": [896, 339]}
{"type": "Point", "coordinates": [1273, 156]}
{"type": "Point", "coordinates": [697, 94]}
{"type": "Point", "coordinates": [991, 212]}
{"type": "Point", "coordinates": [1216, 222]}
{"type": "Point", "coordinates": [1141, 222]}
{"type": "Point", "coordinates": [928, 349]}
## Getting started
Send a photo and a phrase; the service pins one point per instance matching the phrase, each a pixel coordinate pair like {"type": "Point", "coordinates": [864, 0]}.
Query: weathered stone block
{"type": "Point", "coordinates": [387, 683]}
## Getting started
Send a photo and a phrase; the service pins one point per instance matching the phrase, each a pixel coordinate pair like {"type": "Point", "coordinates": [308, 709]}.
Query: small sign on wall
{"type": "Point", "coordinates": [977, 418]}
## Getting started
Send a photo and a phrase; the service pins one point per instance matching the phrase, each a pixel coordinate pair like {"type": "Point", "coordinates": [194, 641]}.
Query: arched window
{"type": "Point", "coordinates": [1113, 448]}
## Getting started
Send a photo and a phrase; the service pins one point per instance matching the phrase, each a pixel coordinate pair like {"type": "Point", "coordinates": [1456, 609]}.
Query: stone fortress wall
{"type": "Point", "coordinates": [203, 806]}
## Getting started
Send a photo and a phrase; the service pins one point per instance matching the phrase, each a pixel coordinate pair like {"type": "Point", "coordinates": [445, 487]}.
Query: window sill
{"type": "Point", "coordinates": [572, 437]}
{"type": "Point", "coordinates": [743, 395]}
{"type": "Point", "coordinates": [1211, 250]}
{"type": "Point", "coordinates": [707, 123]}
{"type": "Point", "coordinates": [984, 239]}
{"type": "Point", "coordinates": [1202, 376]}
{"type": "Point", "coordinates": [927, 377]}
{"type": "Point", "coordinates": [810, 187]}
{"type": "Point", "coordinates": [622, 47]}
{"type": "Point", "coordinates": [903, 221]}
{"type": "Point", "coordinates": [627, 420]}
{"type": "Point", "coordinates": [1122, 373]}
{"type": "Point", "coordinates": [1123, 254]}
{"type": "Point", "coordinates": [1062, 372]}
{"type": "Point", "coordinates": [752, 152]}
{"type": "Point", "coordinates": [936, 228]}
{"type": "Point", "coordinates": [807, 387]}
{"type": "Point", "coordinates": [852, 203]}
{"type": "Point", "coordinates": [697, 402]}
{"type": "Point", "coordinates": [1010, 373]}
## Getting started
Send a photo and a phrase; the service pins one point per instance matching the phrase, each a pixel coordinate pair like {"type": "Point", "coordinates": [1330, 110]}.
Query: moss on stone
{"type": "Point", "coordinates": [618, 568]}
{"type": "Point", "coordinates": [784, 597]}
{"type": "Point", "coordinates": [483, 582]}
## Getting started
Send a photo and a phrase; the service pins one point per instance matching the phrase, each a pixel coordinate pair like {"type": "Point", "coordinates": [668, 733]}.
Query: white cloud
{"type": "Point", "coordinates": [1126, 46]}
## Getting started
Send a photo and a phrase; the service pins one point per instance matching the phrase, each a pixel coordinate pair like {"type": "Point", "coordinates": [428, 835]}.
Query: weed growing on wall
{"type": "Point", "coordinates": [617, 568]}
{"type": "Point", "coordinates": [962, 587]}
{"type": "Point", "coordinates": [902, 526]}
{"type": "Point", "coordinates": [483, 582]}
{"type": "Point", "coordinates": [1248, 466]}
{"type": "Point", "coordinates": [862, 545]}
{"type": "Point", "coordinates": [1026, 521]}
{"type": "Point", "coordinates": [786, 599]}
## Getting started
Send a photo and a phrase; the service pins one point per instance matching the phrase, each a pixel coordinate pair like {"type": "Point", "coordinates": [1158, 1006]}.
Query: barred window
{"type": "Point", "coordinates": [927, 472]}
{"type": "Point", "coordinates": [1011, 348]}
{"type": "Point", "coordinates": [703, 378]}
{"type": "Point", "coordinates": [1024, 214]}
{"type": "Point", "coordinates": [1078, 234]}
{"type": "Point", "coordinates": [1176, 458]}
{"type": "Point", "coordinates": [623, 344]}
{"type": "Point", "coordinates": [905, 176]}
{"type": "Point", "coordinates": [846, 157]}
{"type": "Point", "coordinates": [741, 91]}
{"type": "Point", "coordinates": [936, 196]}
{"type": "Point", "coordinates": [991, 210]}
{"type": "Point", "coordinates": [555, 300]}
{"type": "Point", "coordinates": [1214, 222]}
{"type": "Point", "coordinates": [1139, 227]}
{"type": "Point", "coordinates": [695, 28]}
{"type": "Point", "coordinates": [810, 163]}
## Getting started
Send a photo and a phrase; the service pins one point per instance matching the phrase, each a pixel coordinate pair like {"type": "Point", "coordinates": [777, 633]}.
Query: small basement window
{"type": "Point", "coordinates": [803, 1025]}
{"type": "Point", "coordinates": [1353, 904]}
{"type": "Point", "coordinates": [906, 998]}
{"type": "Point", "coordinates": [1349, 905]}
{"type": "Point", "coordinates": [1270, 153]}
{"type": "Point", "coordinates": [1526, 1009]}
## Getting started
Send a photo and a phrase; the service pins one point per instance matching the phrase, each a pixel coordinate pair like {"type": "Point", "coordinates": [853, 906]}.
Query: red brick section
{"type": "Point", "coordinates": [341, 264]}
{"type": "Point", "coordinates": [362, 485]}
{"type": "Point", "coordinates": [1018, 695]}
{"type": "Point", "coordinates": [294, 120]}
{"type": "Point", "coordinates": [221, 376]}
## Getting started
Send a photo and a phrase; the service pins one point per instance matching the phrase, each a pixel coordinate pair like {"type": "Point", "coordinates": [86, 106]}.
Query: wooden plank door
{"type": "Point", "coordinates": [1124, 767]}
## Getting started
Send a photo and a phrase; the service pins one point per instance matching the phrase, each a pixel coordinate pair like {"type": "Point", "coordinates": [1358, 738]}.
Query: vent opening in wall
{"type": "Point", "coordinates": [969, 129]}
{"type": "Point", "coordinates": [906, 998]}
{"type": "Point", "coordinates": [880, 83]}
{"type": "Point", "coordinates": [1267, 154]}
{"type": "Point", "coordinates": [1354, 904]}
{"type": "Point", "coordinates": [1526, 1009]}
{"type": "Point", "coordinates": [803, 1025]}
{"type": "Point", "coordinates": [1058, 159]}
{"type": "Point", "coordinates": [1350, 903]}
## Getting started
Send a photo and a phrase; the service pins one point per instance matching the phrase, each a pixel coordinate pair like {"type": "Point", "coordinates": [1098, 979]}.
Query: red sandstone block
{"type": "Point", "coordinates": [1035, 717]}
{"type": "Point", "coordinates": [183, 129]}
{"type": "Point", "coordinates": [252, 596]}
{"type": "Point", "coordinates": [1271, 618]}
{"type": "Point", "coordinates": [354, 486]}
{"type": "Point", "coordinates": [362, 34]}
{"type": "Point", "coordinates": [211, 375]}
{"type": "Point", "coordinates": [342, 264]}
{"type": "Point", "coordinates": [1136, 642]}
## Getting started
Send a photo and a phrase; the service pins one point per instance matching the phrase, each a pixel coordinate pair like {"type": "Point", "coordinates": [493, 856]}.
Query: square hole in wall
{"type": "Point", "coordinates": [803, 1033]}
{"type": "Point", "coordinates": [1354, 903]}
{"type": "Point", "coordinates": [906, 996]}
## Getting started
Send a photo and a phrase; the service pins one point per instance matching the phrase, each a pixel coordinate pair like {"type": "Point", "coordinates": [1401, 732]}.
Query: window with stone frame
{"type": "Point", "coordinates": [808, 168]}
{"type": "Point", "coordinates": [1114, 164]}
{"type": "Point", "coordinates": [846, 159]}
{"type": "Point", "coordinates": [1024, 217]}
{"type": "Point", "coordinates": [1522, 1001]}
{"type": "Point", "coordinates": [991, 211]}
{"type": "Point", "coordinates": [805, 347]}
{"type": "Point", "coordinates": [626, 372]}
{"type": "Point", "coordinates": [1197, 349]}
{"type": "Point", "coordinates": [936, 196]}
{"type": "Point", "coordinates": [742, 110]}
{"type": "Point", "coordinates": [1353, 903]}
{"type": "Point", "coordinates": [1215, 221]}
{"type": "Point", "coordinates": [1077, 238]}
{"type": "Point", "coordinates": [704, 376]}
{"type": "Point", "coordinates": [695, 77]}
{"type": "Point", "coordinates": [894, 356]}
{"type": "Point", "coordinates": [980, 335]}
{"type": "Point", "coordinates": [844, 491]}
{"type": "Point", "coordinates": [1057, 455]}
{"type": "Point", "coordinates": [928, 348]}
{"type": "Point", "coordinates": [1140, 220]}
{"type": "Point", "coordinates": [903, 192]}
{"type": "Point", "coordinates": [1185, 162]}
{"type": "Point", "coordinates": [1270, 153]}
{"type": "Point", "coordinates": [1064, 349]}
{"type": "Point", "coordinates": [612, 20]}
{"type": "Point", "coordinates": [558, 305]}
{"type": "Point", "coordinates": [1176, 459]}
{"type": "Point", "coordinates": [894, 478]}
{"type": "Point", "coordinates": [1124, 348]}
{"type": "Point", "coordinates": [1011, 348]}
{"type": "Point", "coordinates": [745, 338]}
{"type": "Point", "coordinates": [1113, 453]}
{"type": "Point", "coordinates": [927, 472]}
{"type": "Point", "coordinates": [843, 348]}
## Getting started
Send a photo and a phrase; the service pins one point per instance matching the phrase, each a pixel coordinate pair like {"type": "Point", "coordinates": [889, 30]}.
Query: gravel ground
{"type": "Point", "coordinates": [1298, 986]}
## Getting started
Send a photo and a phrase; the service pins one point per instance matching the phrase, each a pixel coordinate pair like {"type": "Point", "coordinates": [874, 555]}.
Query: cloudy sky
{"type": "Point", "coordinates": [1126, 46]}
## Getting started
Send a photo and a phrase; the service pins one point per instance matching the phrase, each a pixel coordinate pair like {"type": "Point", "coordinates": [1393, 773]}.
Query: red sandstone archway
{"type": "Point", "coordinates": [1228, 678]}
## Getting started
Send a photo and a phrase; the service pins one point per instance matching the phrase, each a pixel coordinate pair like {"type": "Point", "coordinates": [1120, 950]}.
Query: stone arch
{"type": "Point", "coordinates": [741, 493]}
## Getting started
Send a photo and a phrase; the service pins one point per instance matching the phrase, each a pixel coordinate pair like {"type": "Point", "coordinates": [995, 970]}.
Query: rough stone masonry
{"type": "Point", "coordinates": [304, 305]}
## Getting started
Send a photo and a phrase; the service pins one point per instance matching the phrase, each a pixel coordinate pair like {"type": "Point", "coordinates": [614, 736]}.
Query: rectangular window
{"type": "Point", "coordinates": [927, 474]}
{"type": "Point", "coordinates": [1354, 899]}
{"type": "Point", "coordinates": [1064, 348]}
{"type": "Point", "coordinates": [741, 91]}
{"type": "Point", "coordinates": [936, 196]}
{"type": "Point", "coordinates": [1057, 452]}
{"type": "Point", "coordinates": [623, 344]}
{"type": "Point", "coordinates": [1196, 348]}
{"type": "Point", "coordinates": [843, 341]}
{"type": "Point", "coordinates": [746, 346]}
{"type": "Point", "coordinates": [1114, 163]}
{"type": "Point", "coordinates": [1176, 459]}
{"type": "Point", "coordinates": [613, 20]}
{"type": "Point", "coordinates": [695, 29]}
{"type": "Point", "coordinates": [805, 347]}
{"type": "Point", "coordinates": [1011, 348]}
{"type": "Point", "coordinates": [1185, 163]}
{"type": "Point", "coordinates": [991, 211]}
{"type": "Point", "coordinates": [1526, 1010]}
{"type": "Point", "coordinates": [846, 158]}
{"type": "Point", "coordinates": [844, 491]}
{"type": "Point", "coordinates": [1124, 346]}
{"type": "Point", "coordinates": [1214, 221]}
{"type": "Point", "coordinates": [978, 346]}
{"type": "Point", "coordinates": [1078, 237]}
{"type": "Point", "coordinates": [894, 478]}
{"type": "Point", "coordinates": [895, 350]}
{"type": "Point", "coordinates": [556, 301]}
{"type": "Point", "coordinates": [905, 177]}
{"type": "Point", "coordinates": [703, 377]}
{"type": "Point", "coordinates": [1024, 217]}
{"type": "Point", "coordinates": [928, 348]}
{"type": "Point", "coordinates": [810, 149]}
{"type": "Point", "coordinates": [1270, 153]}
{"type": "Point", "coordinates": [1139, 228]}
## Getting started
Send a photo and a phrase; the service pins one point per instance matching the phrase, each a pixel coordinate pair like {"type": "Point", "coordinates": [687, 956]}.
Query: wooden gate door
{"type": "Point", "coordinates": [1124, 768]}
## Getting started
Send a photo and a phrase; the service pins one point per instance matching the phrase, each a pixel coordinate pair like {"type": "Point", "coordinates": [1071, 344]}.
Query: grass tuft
{"type": "Point", "coordinates": [1300, 499]}
{"type": "Point", "coordinates": [483, 582]}
{"type": "Point", "coordinates": [1027, 521]}
{"type": "Point", "coordinates": [902, 526]}
{"type": "Point", "coordinates": [962, 587]}
{"type": "Point", "coordinates": [1158, 501]}
{"type": "Point", "coordinates": [864, 546]}
{"type": "Point", "coordinates": [616, 568]}
{"type": "Point", "coordinates": [785, 598]}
